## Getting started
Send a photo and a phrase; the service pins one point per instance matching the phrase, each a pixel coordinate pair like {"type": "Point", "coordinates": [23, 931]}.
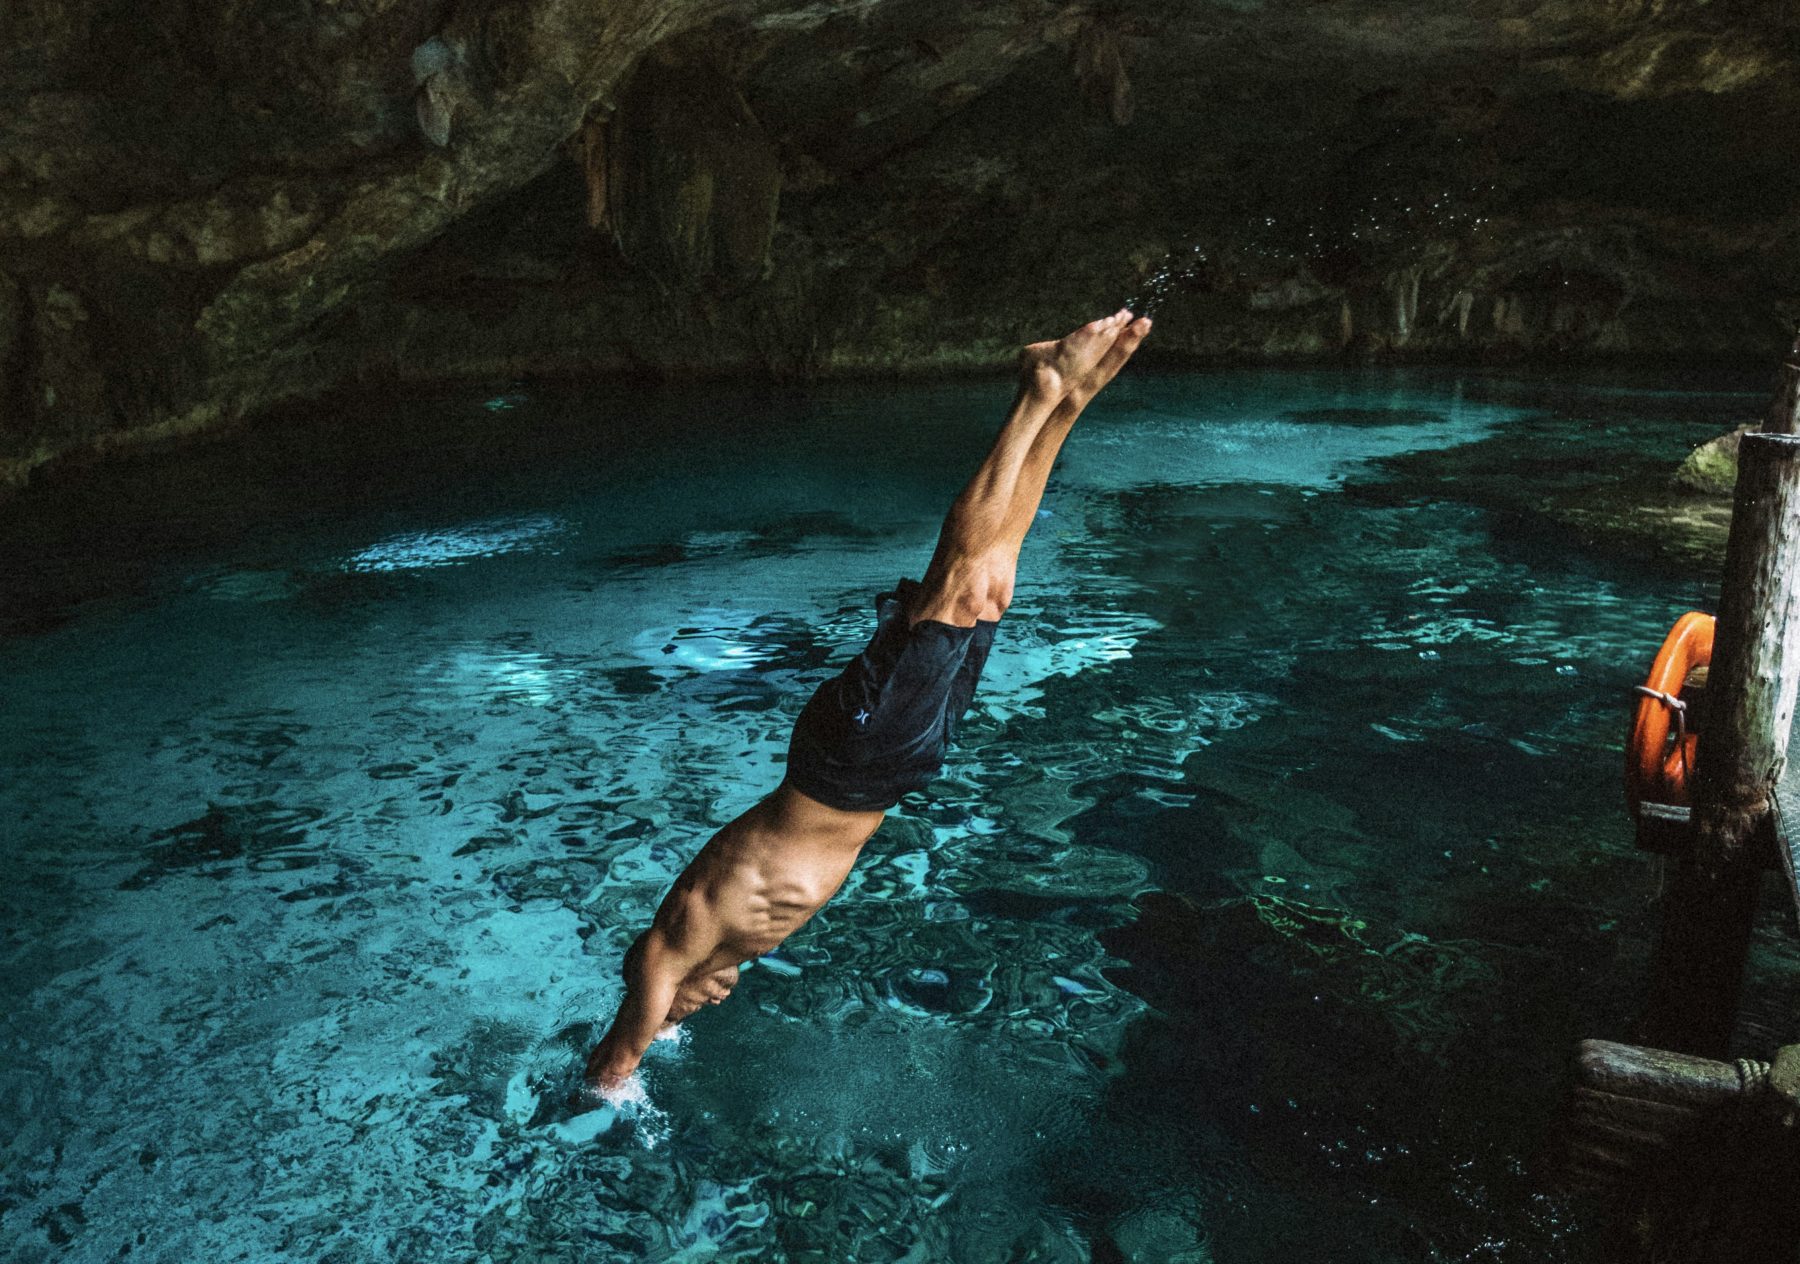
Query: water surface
{"type": "Point", "coordinates": [1280, 866]}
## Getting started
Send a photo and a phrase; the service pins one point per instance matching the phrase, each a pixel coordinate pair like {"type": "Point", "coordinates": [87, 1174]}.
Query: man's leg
{"type": "Point", "coordinates": [971, 573]}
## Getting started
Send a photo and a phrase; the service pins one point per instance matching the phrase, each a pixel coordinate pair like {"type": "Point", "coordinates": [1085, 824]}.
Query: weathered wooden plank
{"type": "Point", "coordinates": [1787, 824]}
{"type": "Point", "coordinates": [1654, 1075]}
{"type": "Point", "coordinates": [1633, 1113]}
{"type": "Point", "coordinates": [1628, 1111]}
{"type": "Point", "coordinates": [1702, 1156]}
{"type": "Point", "coordinates": [1601, 1129]}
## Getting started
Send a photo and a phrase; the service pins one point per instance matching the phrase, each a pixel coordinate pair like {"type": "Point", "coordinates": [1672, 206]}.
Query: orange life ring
{"type": "Point", "coordinates": [1657, 769]}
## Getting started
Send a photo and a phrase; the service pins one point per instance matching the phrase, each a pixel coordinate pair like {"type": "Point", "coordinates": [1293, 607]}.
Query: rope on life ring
{"type": "Point", "coordinates": [1658, 769]}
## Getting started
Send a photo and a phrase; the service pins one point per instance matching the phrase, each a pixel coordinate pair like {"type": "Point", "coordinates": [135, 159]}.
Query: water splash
{"type": "Point", "coordinates": [629, 1104]}
{"type": "Point", "coordinates": [1177, 268]}
{"type": "Point", "coordinates": [1386, 219]}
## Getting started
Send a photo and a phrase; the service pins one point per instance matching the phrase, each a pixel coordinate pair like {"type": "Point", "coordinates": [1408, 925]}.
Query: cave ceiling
{"type": "Point", "coordinates": [211, 206]}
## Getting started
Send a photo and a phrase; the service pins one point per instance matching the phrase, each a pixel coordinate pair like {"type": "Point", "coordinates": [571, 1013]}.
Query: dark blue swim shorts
{"type": "Point", "coordinates": [879, 728]}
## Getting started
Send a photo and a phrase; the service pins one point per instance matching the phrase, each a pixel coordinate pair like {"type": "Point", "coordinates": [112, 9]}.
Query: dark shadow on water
{"type": "Point", "coordinates": [1368, 1085]}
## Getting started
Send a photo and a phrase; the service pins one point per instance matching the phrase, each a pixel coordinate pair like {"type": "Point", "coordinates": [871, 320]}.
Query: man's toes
{"type": "Point", "coordinates": [1133, 333]}
{"type": "Point", "coordinates": [1126, 343]}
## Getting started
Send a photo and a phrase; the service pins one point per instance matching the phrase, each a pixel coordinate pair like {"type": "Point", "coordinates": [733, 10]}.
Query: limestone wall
{"type": "Point", "coordinates": [207, 208]}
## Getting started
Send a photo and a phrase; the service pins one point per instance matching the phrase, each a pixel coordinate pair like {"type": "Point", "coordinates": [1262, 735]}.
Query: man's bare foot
{"type": "Point", "coordinates": [1091, 381]}
{"type": "Point", "coordinates": [1048, 370]}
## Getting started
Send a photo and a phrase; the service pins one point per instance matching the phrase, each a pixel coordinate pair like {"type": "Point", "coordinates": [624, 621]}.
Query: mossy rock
{"type": "Point", "coordinates": [1711, 468]}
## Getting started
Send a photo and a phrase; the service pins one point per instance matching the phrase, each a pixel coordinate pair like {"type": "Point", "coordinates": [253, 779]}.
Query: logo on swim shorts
{"type": "Point", "coordinates": [862, 717]}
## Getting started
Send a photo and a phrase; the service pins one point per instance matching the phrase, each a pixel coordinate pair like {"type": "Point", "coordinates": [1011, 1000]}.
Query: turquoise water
{"type": "Point", "coordinates": [1280, 865]}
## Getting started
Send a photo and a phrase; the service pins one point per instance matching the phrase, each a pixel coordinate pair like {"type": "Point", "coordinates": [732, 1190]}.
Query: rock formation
{"type": "Point", "coordinates": [1711, 468]}
{"type": "Point", "coordinates": [211, 207]}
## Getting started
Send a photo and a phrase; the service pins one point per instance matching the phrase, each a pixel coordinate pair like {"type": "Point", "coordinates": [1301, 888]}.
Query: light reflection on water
{"type": "Point", "coordinates": [449, 546]}
{"type": "Point", "coordinates": [1231, 932]}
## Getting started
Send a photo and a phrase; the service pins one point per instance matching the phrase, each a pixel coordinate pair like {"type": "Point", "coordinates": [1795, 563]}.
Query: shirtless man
{"type": "Point", "coordinates": [872, 733]}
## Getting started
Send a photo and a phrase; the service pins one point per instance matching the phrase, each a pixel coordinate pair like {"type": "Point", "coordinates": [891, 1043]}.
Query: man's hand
{"type": "Point", "coordinates": [609, 1066]}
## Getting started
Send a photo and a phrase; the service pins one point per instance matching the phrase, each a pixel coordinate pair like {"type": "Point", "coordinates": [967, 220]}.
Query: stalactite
{"type": "Point", "coordinates": [434, 67]}
{"type": "Point", "coordinates": [1100, 70]}
{"type": "Point", "coordinates": [693, 182]}
{"type": "Point", "coordinates": [1403, 287]}
{"type": "Point", "coordinates": [436, 107]}
{"type": "Point", "coordinates": [591, 152]}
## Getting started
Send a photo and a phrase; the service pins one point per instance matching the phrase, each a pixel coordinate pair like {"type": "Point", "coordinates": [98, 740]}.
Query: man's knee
{"type": "Point", "coordinates": [973, 589]}
{"type": "Point", "coordinates": [1001, 594]}
{"type": "Point", "coordinates": [967, 591]}
{"type": "Point", "coordinates": [988, 594]}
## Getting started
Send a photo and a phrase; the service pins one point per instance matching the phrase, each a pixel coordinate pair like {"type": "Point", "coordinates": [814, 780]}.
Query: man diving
{"type": "Point", "coordinates": [872, 733]}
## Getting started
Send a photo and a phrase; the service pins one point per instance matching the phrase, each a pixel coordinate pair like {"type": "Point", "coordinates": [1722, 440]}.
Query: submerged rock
{"type": "Point", "coordinates": [1621, 497]}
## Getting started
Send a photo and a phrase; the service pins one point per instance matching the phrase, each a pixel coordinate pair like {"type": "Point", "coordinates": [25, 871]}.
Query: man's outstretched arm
{"type": "Point", "coordinates": [654, 970]}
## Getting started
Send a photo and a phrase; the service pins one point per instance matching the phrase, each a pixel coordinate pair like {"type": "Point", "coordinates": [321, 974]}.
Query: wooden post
{"type": "Point", "coordinates": [1710, 901]}
{"type": "Point", "coordinates": [1756, 654]}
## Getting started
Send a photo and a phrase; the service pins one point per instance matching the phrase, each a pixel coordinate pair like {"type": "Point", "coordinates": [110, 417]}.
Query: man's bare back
{"type": "Point", "coordinates": [761, 877]}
